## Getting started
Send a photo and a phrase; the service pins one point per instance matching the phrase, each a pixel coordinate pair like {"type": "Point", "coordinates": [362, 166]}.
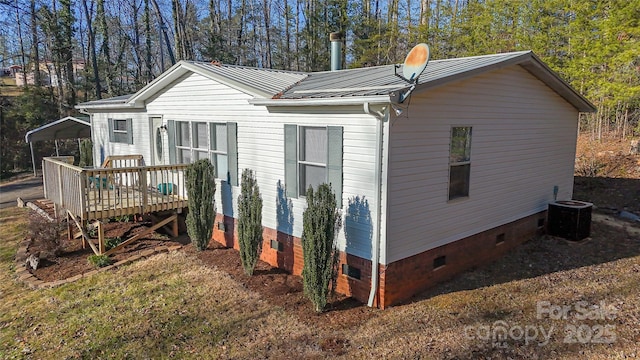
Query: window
{"type": "Point", "coordinates": [313, 155]}
{"type": "Point", "coordinates": [459, 162]}
{"type": "Point", "coordinates": [183, 142]}
{"type": "Point", "coordinates": [312, 160]}
{"type": "Point", "coordinates": [193, 141]}
{"type": "Point", "coordinates": [218, 148]}
{"type": "Point", "coordinates": [120, 131]}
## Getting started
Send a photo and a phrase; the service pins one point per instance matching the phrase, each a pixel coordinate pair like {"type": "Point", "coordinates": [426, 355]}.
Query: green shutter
{"type": "Point", "coordinates": [130, 131]}
{"type": "Point", "coordinates": [291, 160]}
{"type": "Point", "coordinates": [110, 121]}
{"type": "Point", "coordinates": [171, 133]}
{"type": "Point", "coordinates": [232, 152]}
{"type": "Point", "coordinates": [334, 161]}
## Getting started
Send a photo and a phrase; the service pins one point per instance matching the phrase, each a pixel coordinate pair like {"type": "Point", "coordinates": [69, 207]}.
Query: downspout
{"type": "Point", "coordinates": [375, 258]}
{"type": "Point", "coordinates": [33, 159]}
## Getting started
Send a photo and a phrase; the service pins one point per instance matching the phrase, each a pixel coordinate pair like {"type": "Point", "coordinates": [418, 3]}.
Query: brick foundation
{"type": "Point", "coordinates": [404, 278]}
{"type": "Point", "coordinates": [399, 280]}
{"type": "Point", "coordinates": [289, 257]}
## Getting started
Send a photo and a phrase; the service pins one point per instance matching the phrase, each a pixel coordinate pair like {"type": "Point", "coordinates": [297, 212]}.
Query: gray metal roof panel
{"type": "Point", "coordinates": [268, 81]}
{"type": "Point", "coordinates": [380, 80]}
{"type": "Point", "coordinates": [114, 100]}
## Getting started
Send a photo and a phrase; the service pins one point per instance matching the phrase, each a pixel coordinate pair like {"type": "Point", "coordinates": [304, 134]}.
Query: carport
{"type": "Point", "coordinates": [66, 128]}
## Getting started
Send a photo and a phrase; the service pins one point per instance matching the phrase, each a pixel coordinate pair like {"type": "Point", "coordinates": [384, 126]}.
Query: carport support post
{"type": "Point", "coordinates": [33, 159]}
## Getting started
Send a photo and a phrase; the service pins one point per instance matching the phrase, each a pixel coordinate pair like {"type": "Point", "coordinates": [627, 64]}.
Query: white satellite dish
{"type": "Point", "coordinates": [414, 65]}
{"type": "Point", "coordinates": [416, 62]}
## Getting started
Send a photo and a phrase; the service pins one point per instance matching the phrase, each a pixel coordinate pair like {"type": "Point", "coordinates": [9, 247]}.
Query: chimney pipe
{"type": "Point", "coordinates": [336, 50]}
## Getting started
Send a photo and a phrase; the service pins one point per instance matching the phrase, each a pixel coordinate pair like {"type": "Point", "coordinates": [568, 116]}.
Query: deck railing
{"type": "Point", "coordinates": [115, 191]}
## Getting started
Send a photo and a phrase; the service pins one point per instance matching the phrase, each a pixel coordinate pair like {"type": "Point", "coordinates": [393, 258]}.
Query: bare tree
{"type": "Point", "coordinates": [92, 50]}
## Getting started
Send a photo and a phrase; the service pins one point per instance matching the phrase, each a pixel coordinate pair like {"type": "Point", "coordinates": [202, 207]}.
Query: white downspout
{"type": "Point", "coordinates": [375, 258]}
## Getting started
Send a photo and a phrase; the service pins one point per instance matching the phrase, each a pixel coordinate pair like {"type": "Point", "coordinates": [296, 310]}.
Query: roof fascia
{"type": "Point", "coordinates": [530, 62]}
{"type": "Point", "coordinates": [166, 78]}
{"type": "Point", "coordinates": [540, 70]}
{"type": "Point", "coordinates": [226, 81]}
{"type": "Point", "coordinates": [332, 101]}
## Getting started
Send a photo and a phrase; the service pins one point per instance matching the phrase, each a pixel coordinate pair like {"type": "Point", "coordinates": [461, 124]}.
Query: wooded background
{"type": "Point", "coordinates": [594, 45]}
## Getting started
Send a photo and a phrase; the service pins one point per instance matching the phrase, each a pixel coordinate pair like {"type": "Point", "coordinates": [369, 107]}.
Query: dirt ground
{"type": "Point", "coordinates": [73, 258]}
{"type": "Point", "coordinates": [615, 187]}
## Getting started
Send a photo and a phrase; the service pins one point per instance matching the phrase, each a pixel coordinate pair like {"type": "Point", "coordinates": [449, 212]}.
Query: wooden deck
{"type": "Point", "coordinates": [100, 193]}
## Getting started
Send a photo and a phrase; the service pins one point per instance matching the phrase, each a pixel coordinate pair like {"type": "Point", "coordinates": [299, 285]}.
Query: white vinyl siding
{"type": "Point", "coordinates": [260, 147]}
{"type": "Point", "coordinates": [101, 135]}
{"type": "Point", "coordinates": [524, 137]}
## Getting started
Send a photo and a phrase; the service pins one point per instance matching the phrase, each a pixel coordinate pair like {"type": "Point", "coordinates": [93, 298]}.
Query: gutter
{"type": "Point", "coordinates": [381, 115]}
{"type": "Point", "coordinates": [352, 100]}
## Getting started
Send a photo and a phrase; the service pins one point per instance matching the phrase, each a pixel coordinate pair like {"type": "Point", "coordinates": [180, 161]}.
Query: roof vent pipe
{"type": "Point", "coordinates": [336, 50]}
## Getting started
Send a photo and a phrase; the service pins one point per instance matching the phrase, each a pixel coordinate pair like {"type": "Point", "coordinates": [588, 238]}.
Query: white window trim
{"type": "Point", "coordinates": [202, 148]}
{"type": "Point", "coordinates": [458, 163]}
{"type": "Point", "coordinates": [302, 191]}
{"type": "Point", "coordinates": [113, 131]}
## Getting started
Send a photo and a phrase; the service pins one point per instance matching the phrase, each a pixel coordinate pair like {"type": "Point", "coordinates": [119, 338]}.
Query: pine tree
{"type": "Point", "coordinates": [249, 221]}
{"type": "Point", "coordinates": [320, 223]}
{"type": "Point", "coordinates": [201, 189]}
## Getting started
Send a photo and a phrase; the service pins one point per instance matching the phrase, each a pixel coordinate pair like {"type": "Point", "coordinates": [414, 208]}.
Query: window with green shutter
{"type": "Point", "coordinates": [313, 155]}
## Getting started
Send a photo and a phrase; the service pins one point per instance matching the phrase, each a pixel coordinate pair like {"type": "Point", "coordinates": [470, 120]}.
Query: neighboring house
{"type": "Point", "coordinates": [456, 175]}
{"type": "Point", "coordinates": [48, 76]}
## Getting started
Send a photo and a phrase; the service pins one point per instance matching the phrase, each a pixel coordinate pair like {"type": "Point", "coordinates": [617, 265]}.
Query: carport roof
{"type": "Point", "coordinates": [66, 128]}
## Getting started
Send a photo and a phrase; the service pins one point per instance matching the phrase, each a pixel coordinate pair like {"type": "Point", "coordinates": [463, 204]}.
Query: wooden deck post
{"type": "Point", "coordinates": [60, 192]}
{"type": "Point", "coordinates": [145, 194]}
{"type": "Point", "coordinates": [100, 238]}
{"type": "Point", "coordinates": [174, 226]}
{"type": "Point", "coordinates": [70, 229]}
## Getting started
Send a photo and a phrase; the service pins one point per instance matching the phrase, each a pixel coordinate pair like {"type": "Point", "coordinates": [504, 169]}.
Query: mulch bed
{"type": "Point", "coordinates": [73, 258]}
{"type": "Point", "coordinates": [280, 288]}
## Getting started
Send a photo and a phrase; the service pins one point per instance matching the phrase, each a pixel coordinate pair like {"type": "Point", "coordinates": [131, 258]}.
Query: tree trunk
{"type": "Point", "coordinates": [147, 36]}
{"type": "Point", "coordinates": [105, 48]}
{"type": "Point", "coordinates": [267, 30]}
{"type": "Point", "coordinates": [35, 54]}
{"type": "Point", "coordinates": [92, 50]}
{"type": "Point", "coordinates": [22, 55]}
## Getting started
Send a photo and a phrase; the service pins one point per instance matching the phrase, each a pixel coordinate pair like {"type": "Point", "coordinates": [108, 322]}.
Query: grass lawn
{"type": "Point", "coordinates": [172, 306]}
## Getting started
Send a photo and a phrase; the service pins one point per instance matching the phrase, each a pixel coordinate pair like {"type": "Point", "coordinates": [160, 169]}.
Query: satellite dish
{"type": "Point", "coordinates": [416, 62]}
{"type": "Point", "coordinates": [413, 67]}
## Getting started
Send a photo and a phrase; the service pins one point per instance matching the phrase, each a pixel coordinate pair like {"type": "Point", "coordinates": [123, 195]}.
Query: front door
{"type": "Point", "coordinates": [157, 136]}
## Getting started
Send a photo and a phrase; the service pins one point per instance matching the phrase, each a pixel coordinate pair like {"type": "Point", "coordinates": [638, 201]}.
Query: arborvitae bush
{"type": "Point", "coordinates": [249, 221]}
{"type": "Point", "coordinates": [201, 188]}
{"type": "Point", "coordinates": [86, 153]}
{"type": "Point", "coordinates": [321, 220]}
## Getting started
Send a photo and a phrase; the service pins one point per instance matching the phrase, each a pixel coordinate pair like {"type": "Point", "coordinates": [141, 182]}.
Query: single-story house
{"type": "Point", "coordinates": [455, 175]}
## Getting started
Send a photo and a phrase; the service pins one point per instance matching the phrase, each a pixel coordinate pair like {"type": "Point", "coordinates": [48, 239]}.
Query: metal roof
{"type": "Point", "coordinates": [266, 81]}
{"type": "Point", "coordinates": [380, 80]}
{"type": "Point", "coordinates": [66, 128]}
{"type": "Point", "coordinates": [287, 88]}
{"type": "Point", "coordinates": [110, 101]}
